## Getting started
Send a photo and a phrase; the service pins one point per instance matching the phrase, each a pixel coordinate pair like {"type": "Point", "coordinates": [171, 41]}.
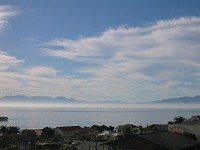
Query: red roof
{"type": "Point", "coordinates": [70, 128]}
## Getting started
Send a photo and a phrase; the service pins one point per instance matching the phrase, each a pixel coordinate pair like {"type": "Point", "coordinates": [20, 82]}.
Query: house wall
{"type": "Point", "coordinates": [58, 131]}
{"type": "Point", "coordinates": [194, 129]}
{"type": "Point", "coordinates": [67, 134]}
{"type": "Point", "coordinates": [38, 132]}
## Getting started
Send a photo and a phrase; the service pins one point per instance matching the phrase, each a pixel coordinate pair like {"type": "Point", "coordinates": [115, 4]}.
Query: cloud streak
{"type": "Point", "coordinates": [160, 60]}
{"type": "Point", "coordinates": [6, 12]}
{"type": "Point", "coordinates": [7, 61]}
{"type": "Point", "coordinates": [158, 57]}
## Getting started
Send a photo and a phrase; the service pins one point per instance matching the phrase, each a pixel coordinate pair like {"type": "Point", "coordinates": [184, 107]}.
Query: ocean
{"type": "Point", "coordinates": [38, 118]}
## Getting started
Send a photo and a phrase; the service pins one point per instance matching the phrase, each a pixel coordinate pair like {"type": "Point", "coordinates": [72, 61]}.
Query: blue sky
{"type": "Point", "coordinates": [129, 50]}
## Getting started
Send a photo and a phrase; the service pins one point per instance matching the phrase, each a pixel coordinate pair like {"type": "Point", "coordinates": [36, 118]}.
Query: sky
{"type": "Point", "coordinates": [97, 50]}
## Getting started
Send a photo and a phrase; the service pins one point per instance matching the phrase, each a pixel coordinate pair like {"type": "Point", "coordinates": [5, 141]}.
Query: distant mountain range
{"type": "Point", "coordinates": [180, 100]}
{"type": "Point", "coordinates": [64, 100]}
{"type": "Point", "coordinates": [47, 99]}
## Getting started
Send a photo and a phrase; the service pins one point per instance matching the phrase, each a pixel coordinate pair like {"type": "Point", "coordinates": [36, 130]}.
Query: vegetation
{"type": "Point", "coordinates": [48, 133]}
{"type": "Point", "coordinates": [103, 127]}
{"type": "Point", "coordinates": [9, 130]}
{"type": "Point", "coordinates": [177, 120]}
{"type": "Point", "coordinates": [9, 136]}
{"type": "Point", "coordinates": [127, 131]}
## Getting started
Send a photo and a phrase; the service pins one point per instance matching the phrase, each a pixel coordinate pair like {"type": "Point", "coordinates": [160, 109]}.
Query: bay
{"type": "Point", "coordinates": [38, 118]}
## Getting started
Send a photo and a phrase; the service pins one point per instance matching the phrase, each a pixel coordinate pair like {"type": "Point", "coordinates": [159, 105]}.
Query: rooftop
{"type": "Point", "coordinates": [70, 128]}
{"type": "Point", "coordinates": [169, 140]}
{"type": "Point", "coordinates": [166, 140]}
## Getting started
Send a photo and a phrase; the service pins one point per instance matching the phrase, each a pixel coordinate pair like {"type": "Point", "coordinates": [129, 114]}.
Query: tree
{"type": "Point", "coordinates": [111, 128]}
{"type": "Point", "coordinates": [127, 131]}
{"type": "Point", "coordinates": [48, 133]}
{"type": "Point", "coordinates": [13, 130]}
{"type": "Point", "coordinates": [170, 122]}
{"type": "Point", "coordinates": [9, 130]}
{"type": "Point", "coordinates": [4, 130]}
{"type": "Point", "coordinates": [103, 127]}
{"type": "Point", "coordinates": [179, 119]}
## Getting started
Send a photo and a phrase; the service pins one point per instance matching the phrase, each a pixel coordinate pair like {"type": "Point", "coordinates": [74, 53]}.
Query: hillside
{"type": "Point", "coordinates": [181, 100]}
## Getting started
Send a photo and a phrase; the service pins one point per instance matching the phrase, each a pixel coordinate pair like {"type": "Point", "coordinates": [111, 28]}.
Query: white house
{"type": "Point", "coordinates": [108, 133]}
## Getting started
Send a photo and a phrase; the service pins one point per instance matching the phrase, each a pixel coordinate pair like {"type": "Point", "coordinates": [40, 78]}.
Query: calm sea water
{"type": "Point", "coordinates": [35, 118]}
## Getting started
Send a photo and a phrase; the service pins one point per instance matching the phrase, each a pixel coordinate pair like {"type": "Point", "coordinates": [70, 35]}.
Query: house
{"type": "Point", "coordinates": [68, 132]}
{"type": "Point", "coordinates": [88, 132]}
{"type": "Point", "coordinates": [154, 141]}
{"type": "Point", "coordinates": [191, 125]}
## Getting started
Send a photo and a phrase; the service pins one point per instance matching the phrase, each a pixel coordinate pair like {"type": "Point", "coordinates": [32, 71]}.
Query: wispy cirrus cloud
{"type": "Point", "coordinates": [6, 12]}
{"type": "Point", "coordinates": [161, 56]}
{"type": "Point", "coordinates": [161, 39]}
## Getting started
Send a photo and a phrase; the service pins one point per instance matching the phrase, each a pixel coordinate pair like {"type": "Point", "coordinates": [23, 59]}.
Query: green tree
{"type": "Point", "coordinates": [127, 131]}
{"type": "Point", "coordinates": [170, 122]}
{"type": "Point", "coordinates": [4, 130]}
{"type": "Point", "coordinates": [179, 119]}
{"type": "Point", "coordinates": [9, 130]}
{"type": "Point", "coordinates": [13, 130]}
{"type": "Point", "coordinates": [111, 128]}
{"type": "Point", "coordinates": [103, 127]}
{"type": "Point", "coordinates": [48, 133]}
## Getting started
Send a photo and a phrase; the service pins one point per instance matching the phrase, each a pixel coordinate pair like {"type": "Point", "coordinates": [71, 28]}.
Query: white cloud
{"type": "Point", "coordinates": [41, 71]}
{"type": "Point", "coordinates": [160, 56]}
{"type": "Point", "coordinates": [21, 83]}
{"type": "Point", "coordinates": [6, 12]}
{"type": "Point", "coordinates": [7, 61]}
{"type": "Point", "coordinates": [157, 61]}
